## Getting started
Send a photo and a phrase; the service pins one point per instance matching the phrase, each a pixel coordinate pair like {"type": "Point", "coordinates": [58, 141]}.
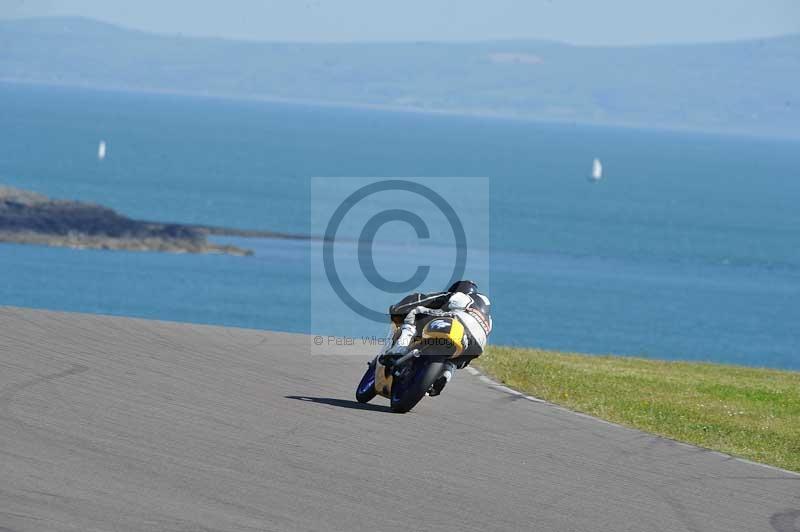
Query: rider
{"type": "Point", "coordinates": [461, 301]}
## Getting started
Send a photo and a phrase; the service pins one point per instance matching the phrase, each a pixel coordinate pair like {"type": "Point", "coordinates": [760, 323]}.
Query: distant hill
{"type": "Point", "coordinates": [748, 86]}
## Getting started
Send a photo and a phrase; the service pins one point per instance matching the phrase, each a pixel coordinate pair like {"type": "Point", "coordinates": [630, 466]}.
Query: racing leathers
{"type": "Point", "coordinates": [473, 311]}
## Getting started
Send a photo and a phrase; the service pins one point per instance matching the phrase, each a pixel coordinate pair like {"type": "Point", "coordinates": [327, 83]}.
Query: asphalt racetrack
{"type": "Point", "coordinates": [115, 424]}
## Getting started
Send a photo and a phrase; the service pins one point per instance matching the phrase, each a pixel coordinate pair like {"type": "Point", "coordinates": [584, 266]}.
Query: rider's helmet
{"type": "Point", "coordinates": [464, 287]}
{"type": "Point", "coordinates": [459, 301]}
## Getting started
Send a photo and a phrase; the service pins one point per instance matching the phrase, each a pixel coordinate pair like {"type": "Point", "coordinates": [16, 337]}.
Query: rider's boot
{"type": "Point", "coordinates": [442, 381]}
{"type": "Point", "coordinates": [400, 347]}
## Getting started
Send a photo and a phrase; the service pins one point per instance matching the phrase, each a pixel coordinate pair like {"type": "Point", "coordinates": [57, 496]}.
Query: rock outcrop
{"type": "Point", "coordinates": [31, 218]}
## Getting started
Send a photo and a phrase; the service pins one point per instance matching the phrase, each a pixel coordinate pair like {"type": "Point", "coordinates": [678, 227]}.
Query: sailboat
{"type": "Point", "coordinates": [597, 170]}
{"type": "Point", "coordinates": [101, 150]}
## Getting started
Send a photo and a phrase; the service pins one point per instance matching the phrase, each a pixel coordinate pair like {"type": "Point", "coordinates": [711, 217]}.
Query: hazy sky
{"type": "Point", "coordinates": [576, 21]}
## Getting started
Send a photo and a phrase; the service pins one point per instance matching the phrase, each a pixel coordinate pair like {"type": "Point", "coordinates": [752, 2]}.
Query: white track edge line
{"type": "Point", "coordinates": [503, 388]}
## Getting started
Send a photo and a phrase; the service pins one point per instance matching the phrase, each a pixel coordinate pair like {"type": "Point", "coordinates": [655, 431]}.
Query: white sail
{"type": "Point", "coordinates": [101, 150]}
{"type": "Point", "coordinates": [597, 170]}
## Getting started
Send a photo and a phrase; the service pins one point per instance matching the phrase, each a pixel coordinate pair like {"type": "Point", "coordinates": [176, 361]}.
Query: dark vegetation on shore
{"type": "Point", "coordinates": [31, 218]}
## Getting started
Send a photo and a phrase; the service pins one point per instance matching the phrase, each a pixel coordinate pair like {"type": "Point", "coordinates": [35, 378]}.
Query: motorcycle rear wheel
{"type": "Point", "coordinates": [407, 392]}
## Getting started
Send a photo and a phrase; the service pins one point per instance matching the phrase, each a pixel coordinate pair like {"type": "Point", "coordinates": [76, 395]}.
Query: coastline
{"type": "Point", "coordinates": [84, 241]}
{"type": "Point", "coordinates": [31, 218]}
{"type": "Point", "coordinates": [455, 112]}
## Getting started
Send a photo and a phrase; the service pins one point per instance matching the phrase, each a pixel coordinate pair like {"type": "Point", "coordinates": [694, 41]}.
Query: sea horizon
{"type": "Point", "coordinates": [465, 113]}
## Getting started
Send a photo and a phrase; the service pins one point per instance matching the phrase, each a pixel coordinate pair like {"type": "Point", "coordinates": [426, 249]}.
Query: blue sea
{"type": "Point", "coordinates": [688, 249]}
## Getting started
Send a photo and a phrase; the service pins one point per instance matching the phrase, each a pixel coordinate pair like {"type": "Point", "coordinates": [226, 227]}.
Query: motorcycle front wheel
{"type": "Point", "coordinates": [409, 390]}
{"type": "Point", "coordinates": [365, 391]}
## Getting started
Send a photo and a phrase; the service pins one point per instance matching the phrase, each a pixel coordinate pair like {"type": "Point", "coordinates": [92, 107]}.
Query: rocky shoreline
{"type": "Point", "coordinates": [31, 218]}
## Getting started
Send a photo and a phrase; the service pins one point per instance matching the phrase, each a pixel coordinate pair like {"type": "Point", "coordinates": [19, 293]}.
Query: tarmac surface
{"type": "Point", "coordinates": [117, 424]}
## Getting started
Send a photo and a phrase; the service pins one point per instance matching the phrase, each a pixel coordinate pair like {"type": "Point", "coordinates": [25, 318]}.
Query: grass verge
{"type": "Point", "coordinates": [749, 412]}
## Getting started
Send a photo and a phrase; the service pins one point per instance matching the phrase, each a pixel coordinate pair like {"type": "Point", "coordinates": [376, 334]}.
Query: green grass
{"type": "Point", "coordinates": [749, 412]}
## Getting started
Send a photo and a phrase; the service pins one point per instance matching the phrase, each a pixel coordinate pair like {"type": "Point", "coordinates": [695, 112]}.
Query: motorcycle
{"type": "Point", "coordinates": [405, 379]}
